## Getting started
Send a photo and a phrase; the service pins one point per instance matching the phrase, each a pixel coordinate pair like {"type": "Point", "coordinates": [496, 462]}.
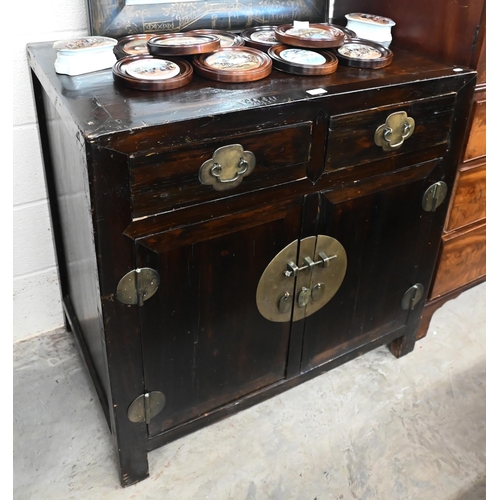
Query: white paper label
{"type": "Point", "coordinates": [301, 24]}
{"type": "Point", "coordinates": [316, 91]}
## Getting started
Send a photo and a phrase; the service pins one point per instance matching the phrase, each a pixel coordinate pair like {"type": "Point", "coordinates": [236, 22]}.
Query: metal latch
{"type": "Point", "coordinates": [412, 297]}
{"type": "Point", "coordinates": [137, 286]}
{"type": "Point", "coordinates": [292, 269]}
{"type": "Point", "coordinates": [146, 406]}
{"type": "Point", "coordinates": [434, 196]}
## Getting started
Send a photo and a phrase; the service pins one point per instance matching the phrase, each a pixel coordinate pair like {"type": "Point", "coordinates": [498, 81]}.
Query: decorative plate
{"type": "Point", "coordinates": [260, 37]}
{"type": "Point", "coordinates": [182, 44]}
{"type": "Point", "coordinates": [227, 39]}
{"type": "Point", "coordinates": [360, 53]}
{"type": "Point", "coordinates": [300, 61]}
{"type": "Point", "coordinates": [151, 73]}
{"type": "Point", "coordinates": [320, 36]}
{"type": "Point", "coordinates": [234, 64]}
{"type": "Point", "coordinates": [132, 45]}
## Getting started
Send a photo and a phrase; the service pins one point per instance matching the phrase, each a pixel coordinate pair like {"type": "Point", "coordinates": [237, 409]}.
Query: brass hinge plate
{"type": "Point", "coordinates": [137, 286]}
{"type": "Point", "coordinates": [146, 406]}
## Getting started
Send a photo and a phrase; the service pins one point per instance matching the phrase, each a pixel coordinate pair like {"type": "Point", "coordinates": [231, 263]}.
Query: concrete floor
{"type": "Point", "coordinates": [375, 428]}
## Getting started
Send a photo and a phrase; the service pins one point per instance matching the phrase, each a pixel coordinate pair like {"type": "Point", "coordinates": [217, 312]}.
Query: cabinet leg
{"type": "Point", "coordinates": [403, 345]}
{"type": "Point", "coordinates": [133, 466]}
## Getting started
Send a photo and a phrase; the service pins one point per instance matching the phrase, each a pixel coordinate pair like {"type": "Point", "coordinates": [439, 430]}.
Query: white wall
{"type": "Point", "coordinates": [36, 297]}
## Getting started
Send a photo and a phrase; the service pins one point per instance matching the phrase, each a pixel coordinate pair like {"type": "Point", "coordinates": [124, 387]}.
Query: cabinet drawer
{"type": "Point", "coordinates": [476, 143]}
{"type": "Point", "coordinates": [468, 204]}
{"type": "Point", "coordinates": [171, 179]}
{"type": "Point", "coordinates": [463, 259]}
{"type": "Point", "coordinates": [351, 139]}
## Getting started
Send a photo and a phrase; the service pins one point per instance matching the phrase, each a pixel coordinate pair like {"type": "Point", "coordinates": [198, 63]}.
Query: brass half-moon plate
{"type": "Point", "coordinates": [274, 285]}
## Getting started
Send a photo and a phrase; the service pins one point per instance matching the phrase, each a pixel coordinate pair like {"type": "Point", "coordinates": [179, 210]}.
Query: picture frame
{"type": "Point", "coordinates": [297, 67]}
{"type": "Point", "coordinates": [118, 18]}
{"type": "Point", "coordinates": [249, 65]}
{"type": "Point", "coordinates": [381, 60]}
{"type": "Point", "coordinates": [121, 76]}
{"type": "Point", "coordinates": [314, 36]}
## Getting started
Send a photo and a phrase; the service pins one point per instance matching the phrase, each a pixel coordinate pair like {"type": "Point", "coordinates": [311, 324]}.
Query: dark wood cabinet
{"type": "Point", "coordinates": [162, 264]}
{"type": "Point", "coordinates": [460, 40]}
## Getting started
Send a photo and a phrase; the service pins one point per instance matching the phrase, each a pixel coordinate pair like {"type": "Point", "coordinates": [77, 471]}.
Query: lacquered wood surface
{"type": "Point", "coordinates": [351, 137]}
{"type": "Point", "coordinates": [98, 106]}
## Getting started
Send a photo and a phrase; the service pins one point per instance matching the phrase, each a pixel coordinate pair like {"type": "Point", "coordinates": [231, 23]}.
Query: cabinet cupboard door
{"type": "Point", "coordinates": [205, 343]}
{"type": "Point", "coordinates": [383, 231]}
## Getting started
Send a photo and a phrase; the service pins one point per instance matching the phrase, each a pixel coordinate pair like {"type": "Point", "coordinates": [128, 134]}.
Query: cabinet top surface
{"type": "Point", "coordinates": [99, 106]}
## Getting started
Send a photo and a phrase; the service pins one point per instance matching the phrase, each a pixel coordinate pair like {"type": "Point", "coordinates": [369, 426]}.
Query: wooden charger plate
{"type": "Point", "coordinates": [360, 53]}
{"type": "Point", "coordinates": [227, 39]}
{"type": "Point", "coordinates": [233, 64]}
{"type": "Point", "coordinates": [300, 61]}
{"type": "Point", "coordinates": [260, 37]}
{"type": "Point", "coordinates": [182, 44]}
{"type": "Point", "coordinates": [132, 45]}
{"type": "Point", "coordinates": [151, 73]}
{"type": "Point", "coordinates": [316, 36]}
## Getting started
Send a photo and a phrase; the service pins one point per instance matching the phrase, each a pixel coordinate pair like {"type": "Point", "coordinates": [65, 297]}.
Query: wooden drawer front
{"type": "Point", "coordinates": [351, 137]}
{"type": "Point", "coordinates": [169, 180]}
{"type": "Point", "coordinates": [476, 143]}
{"type": "Point", "coordinates": [468, 204]}
{"type": "Point", "coordinates": [463, 259]}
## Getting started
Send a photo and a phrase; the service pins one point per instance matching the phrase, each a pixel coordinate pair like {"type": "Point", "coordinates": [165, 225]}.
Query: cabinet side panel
{"type": "Point", "coordinates": [67, 173]}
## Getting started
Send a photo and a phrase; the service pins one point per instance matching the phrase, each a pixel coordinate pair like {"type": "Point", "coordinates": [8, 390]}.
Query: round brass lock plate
{"type": "Point", "coordinates": [293, 286]}
{"type": "Point", "coordinates": [274, 286]}
{"type": "Point", "coordinates": [326, 278]}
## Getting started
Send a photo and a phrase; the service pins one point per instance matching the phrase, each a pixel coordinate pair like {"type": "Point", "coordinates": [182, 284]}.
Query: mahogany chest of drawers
{"type": "Point", "coordinates": [220, 243]}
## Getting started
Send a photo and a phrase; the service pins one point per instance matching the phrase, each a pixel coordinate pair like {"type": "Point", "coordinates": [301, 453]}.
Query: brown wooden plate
{"type": "Point", "coordinates": [147, 72]}
{"type": "Point", "coordinates": [299, 61]}
{"type": "Point", "coordinates": [233, 64]}
{"type": "Point", "coordinates": [182, 44]}
{"type": "Point", "coordinates": [314, 36]}
{"type": "Point", "coordinates": [132, 45]}
{"type": "Point", "coordinates": [260, 37]}
{"type": "Point", "coordinates": [227, 39]}
{"type": "Point", "coordinates": [361, 53]}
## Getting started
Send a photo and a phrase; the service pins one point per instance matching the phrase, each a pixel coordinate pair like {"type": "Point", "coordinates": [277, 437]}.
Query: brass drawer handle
{"type": "Point", "coordinates": [227, 167]}
{"type": "Point", "coordinates": [396, 129]}
{"type": "Point", "coordinates": [216, 171]}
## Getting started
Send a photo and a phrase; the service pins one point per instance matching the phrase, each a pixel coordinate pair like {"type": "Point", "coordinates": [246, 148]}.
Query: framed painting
{"type": "Point", "coordinates": [118, 18]}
